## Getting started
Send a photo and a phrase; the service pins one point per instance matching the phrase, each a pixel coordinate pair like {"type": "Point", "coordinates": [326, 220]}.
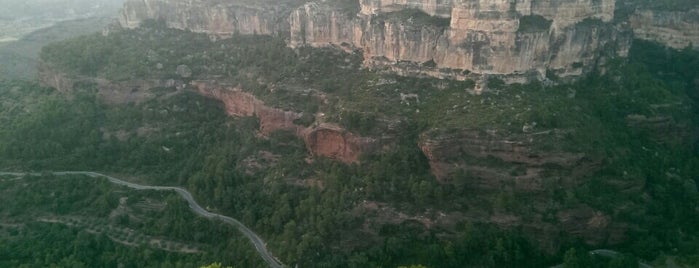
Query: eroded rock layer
{"type": "Point", "coordinates": [481, 36]}
{"type": "Point", "coordinates": [676, 29]}
{"type": "Point", "coordinates": [322, 139]}
{"type": "Point", "coordinates": [490, 160]}
{"type": "Point", "coordinates": [212, 17]}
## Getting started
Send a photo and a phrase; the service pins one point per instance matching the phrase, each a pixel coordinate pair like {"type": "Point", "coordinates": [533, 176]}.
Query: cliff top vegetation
{"type": "Point", "coordinates": [415, 17]}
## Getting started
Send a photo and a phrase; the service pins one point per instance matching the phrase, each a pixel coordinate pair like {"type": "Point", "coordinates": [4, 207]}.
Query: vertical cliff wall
{"type": "Point", "coordinates": [212, 17]}
{"type": "Point", "coordinates": [676, 29]}
{"type": "Point", "coordinates": [491, 37]}
{"type": "Point", "coordinates": [482, 36]}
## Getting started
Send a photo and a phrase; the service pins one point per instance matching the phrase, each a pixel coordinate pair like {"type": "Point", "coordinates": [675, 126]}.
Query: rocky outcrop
{"type": "Point", "coordinates": [110, 92]}
{"type": "Point", "coordinates": [480, 36]}
{"type": "Point", "coordinates": [563, 12]}
{"type": "Point", "coordinates": [318, 24]}
{"type": "Point", "coordinates": [488, 37]}
{"type": "Point", "coordinates": [594, 227]}
{"type": "Point", "coordinates": [661, 128]}
{"type": "Point", "coordinates": [334, 142]}
{"type": "Point", "coordinates": [239, 103]}
{"type": "Point", "coordinates": [491, 160]}
{"type": "Point", "coordinates": [212, 17]}
{"type": "Point", "coordinates": [490, 163]}
{"type": "Point", "coordinates": [323, 139]}
{"type": "Point", "coordinates": [676, 29]}
{"type": "Point", "coordinates": [49, 77]}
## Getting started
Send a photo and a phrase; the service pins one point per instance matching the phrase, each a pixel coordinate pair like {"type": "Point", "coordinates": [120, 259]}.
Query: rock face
{"type": "Point", "coordinates": [111, 92]}
{"type": "Point", "coordinates": [489, 37]}
{"type": "Point", "coordinates": [213, 17]}
{"type": "Point", "coordinates": [676, 29]}
{"type": "Point", "coordinates": [489, 163]}
{"type": "Point", "coordinates": [333, 142]}
{"type": "Point", "coordinates": [481, 36]}
{"type": "Point", "coordinates": [51, 78]}
{"type": "Point", "coordinates": [239, 103]}
{"type": "Point", "coordinates": [322, 139]}
{"type": "Point", "coordinates": [489, 160]}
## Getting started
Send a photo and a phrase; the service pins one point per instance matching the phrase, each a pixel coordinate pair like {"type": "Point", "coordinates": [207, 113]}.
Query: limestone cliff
{"type": "Point", "coordinates": [489, 37]}
{"type": "Point", "coordinates": [213, 17]}
{"type": "Point", "coordinates": [440, 8]}
{"type": "Point", "coordinates": [676, 29]}
{"type": "Point", "coordinates": [439, 37]}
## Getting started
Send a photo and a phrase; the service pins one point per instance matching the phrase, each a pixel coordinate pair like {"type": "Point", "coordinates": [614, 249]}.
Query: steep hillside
{"type": "Point", "coordinates": [428, 161]}
{"type": "Point", "coordinates": [267, 111]}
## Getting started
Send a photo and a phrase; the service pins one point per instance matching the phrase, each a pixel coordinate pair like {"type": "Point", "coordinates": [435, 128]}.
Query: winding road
{"type": "Point", "coordinates": [252, 236]}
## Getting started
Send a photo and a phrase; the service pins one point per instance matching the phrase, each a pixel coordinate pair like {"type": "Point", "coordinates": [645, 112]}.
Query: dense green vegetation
{"type": "Point", "coordinates": [84, 134]}
{"type": "Point", "coordinates": [416, 17]}
{"type": "Point", "coordinates": [34, 245]}
{"type": "Point", "coordinates": [313, 213]}
{"type": "Point", "coordinates": [533, 23]}
{"type": "Point", "coordinates": [51, 138]}
{"type": "Point", "coordinates": [18, 59]}
{"type": "Point", "coordinates": [348, 7]}
{"type": "Point", "coordinates": [95, 229]}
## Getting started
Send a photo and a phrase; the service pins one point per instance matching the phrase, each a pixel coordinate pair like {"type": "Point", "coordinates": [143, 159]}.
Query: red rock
{"type": "Point", "coordinates": [327, 140]}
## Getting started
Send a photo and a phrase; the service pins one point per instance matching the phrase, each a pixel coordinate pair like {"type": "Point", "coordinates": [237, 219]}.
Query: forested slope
{"type": "Point", "coordinates": [634, 119]}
